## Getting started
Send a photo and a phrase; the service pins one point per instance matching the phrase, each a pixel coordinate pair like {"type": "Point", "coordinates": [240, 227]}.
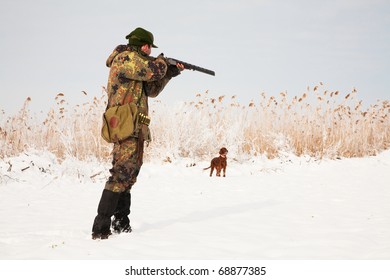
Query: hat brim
{"type": "Point", "coordinates": [137, 42]}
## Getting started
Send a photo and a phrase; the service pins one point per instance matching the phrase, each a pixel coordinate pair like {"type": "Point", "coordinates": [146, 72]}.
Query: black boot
{"type": "Point", "coordinates": [106, 208]}
{"type": "Point", "coordinates": [121, 222]}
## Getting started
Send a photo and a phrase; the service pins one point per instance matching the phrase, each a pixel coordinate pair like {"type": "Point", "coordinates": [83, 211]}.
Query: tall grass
{"type": "Point", "coordinates": [64, 131]}
{"type": "Point", "coordinates": [319, 123]}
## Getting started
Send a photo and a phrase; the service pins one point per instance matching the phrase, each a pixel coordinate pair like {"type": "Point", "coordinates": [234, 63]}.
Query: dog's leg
{"type": "Point", "coordinates": [211, 171]}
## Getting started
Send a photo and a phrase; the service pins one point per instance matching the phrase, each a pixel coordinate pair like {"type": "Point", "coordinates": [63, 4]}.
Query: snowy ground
{"type": "Point", "coordinates": [288, 208]}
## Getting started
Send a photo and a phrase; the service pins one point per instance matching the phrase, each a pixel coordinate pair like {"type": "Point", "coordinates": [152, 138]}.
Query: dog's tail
{"type": "Point", "coordinates": [207, 168]}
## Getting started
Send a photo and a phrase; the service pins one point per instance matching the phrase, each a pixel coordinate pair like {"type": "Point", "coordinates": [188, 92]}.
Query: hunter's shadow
{"type": "Point", "coordinates": [198, 216]}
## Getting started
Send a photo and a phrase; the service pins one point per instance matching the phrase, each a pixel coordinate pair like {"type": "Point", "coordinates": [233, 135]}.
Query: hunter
{"type": "Point", "coordinates": [134, 76]}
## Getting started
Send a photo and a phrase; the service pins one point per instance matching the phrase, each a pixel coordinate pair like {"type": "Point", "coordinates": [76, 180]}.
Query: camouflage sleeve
{"type": "Point", "coordinates": [152, 89]}
{"type": "Point", "coordinates": [141, 69]}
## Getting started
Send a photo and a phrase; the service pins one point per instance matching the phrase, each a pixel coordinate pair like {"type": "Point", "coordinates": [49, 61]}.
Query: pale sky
{"type": "Point", "coordinates": [267, 46]}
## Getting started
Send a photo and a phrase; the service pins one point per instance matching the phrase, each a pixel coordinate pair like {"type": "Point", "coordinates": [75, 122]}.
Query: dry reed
{"type": "Point", "coordinates": [318, 123]}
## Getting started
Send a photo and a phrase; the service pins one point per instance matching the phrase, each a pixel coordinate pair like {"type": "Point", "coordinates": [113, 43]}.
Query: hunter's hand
{"type": "Point", "coordinates": [180, 66]}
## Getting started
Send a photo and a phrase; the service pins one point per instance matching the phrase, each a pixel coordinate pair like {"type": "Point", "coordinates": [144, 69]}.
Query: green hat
{"type": "Point", "coordinates": [140, 37]}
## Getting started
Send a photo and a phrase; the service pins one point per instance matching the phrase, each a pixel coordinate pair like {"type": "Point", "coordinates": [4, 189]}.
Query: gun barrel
{"type": "Point", "coordinates": [174, 61]}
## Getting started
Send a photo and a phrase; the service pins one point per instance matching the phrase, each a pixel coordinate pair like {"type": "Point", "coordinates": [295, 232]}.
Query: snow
{"type": "Point", "coordinates": [286, 208]}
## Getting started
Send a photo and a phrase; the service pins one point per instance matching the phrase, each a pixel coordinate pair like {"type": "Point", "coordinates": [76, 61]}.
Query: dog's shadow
{"type": "Point", "coordinates": [198, 216]}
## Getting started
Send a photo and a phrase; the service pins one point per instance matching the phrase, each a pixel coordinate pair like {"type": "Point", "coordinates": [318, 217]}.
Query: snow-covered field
{"type": "Point", "coordinates": [286, 208]}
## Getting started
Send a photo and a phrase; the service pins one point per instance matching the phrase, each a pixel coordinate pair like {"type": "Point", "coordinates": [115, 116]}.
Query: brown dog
{"type": "Point", "coordinates": [219, 163]}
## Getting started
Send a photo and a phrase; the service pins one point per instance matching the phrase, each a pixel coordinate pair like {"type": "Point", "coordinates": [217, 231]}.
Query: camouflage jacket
{"type": "Point", "coordinates": [134, 76]}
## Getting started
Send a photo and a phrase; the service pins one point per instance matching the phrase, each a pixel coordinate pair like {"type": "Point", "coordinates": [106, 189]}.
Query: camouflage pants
{"type": "Point", "coordinates": [126, 164]}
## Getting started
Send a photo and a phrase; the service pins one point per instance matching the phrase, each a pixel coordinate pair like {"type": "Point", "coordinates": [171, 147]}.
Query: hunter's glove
{"type": "Point", "coordinates": [172, 71]}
